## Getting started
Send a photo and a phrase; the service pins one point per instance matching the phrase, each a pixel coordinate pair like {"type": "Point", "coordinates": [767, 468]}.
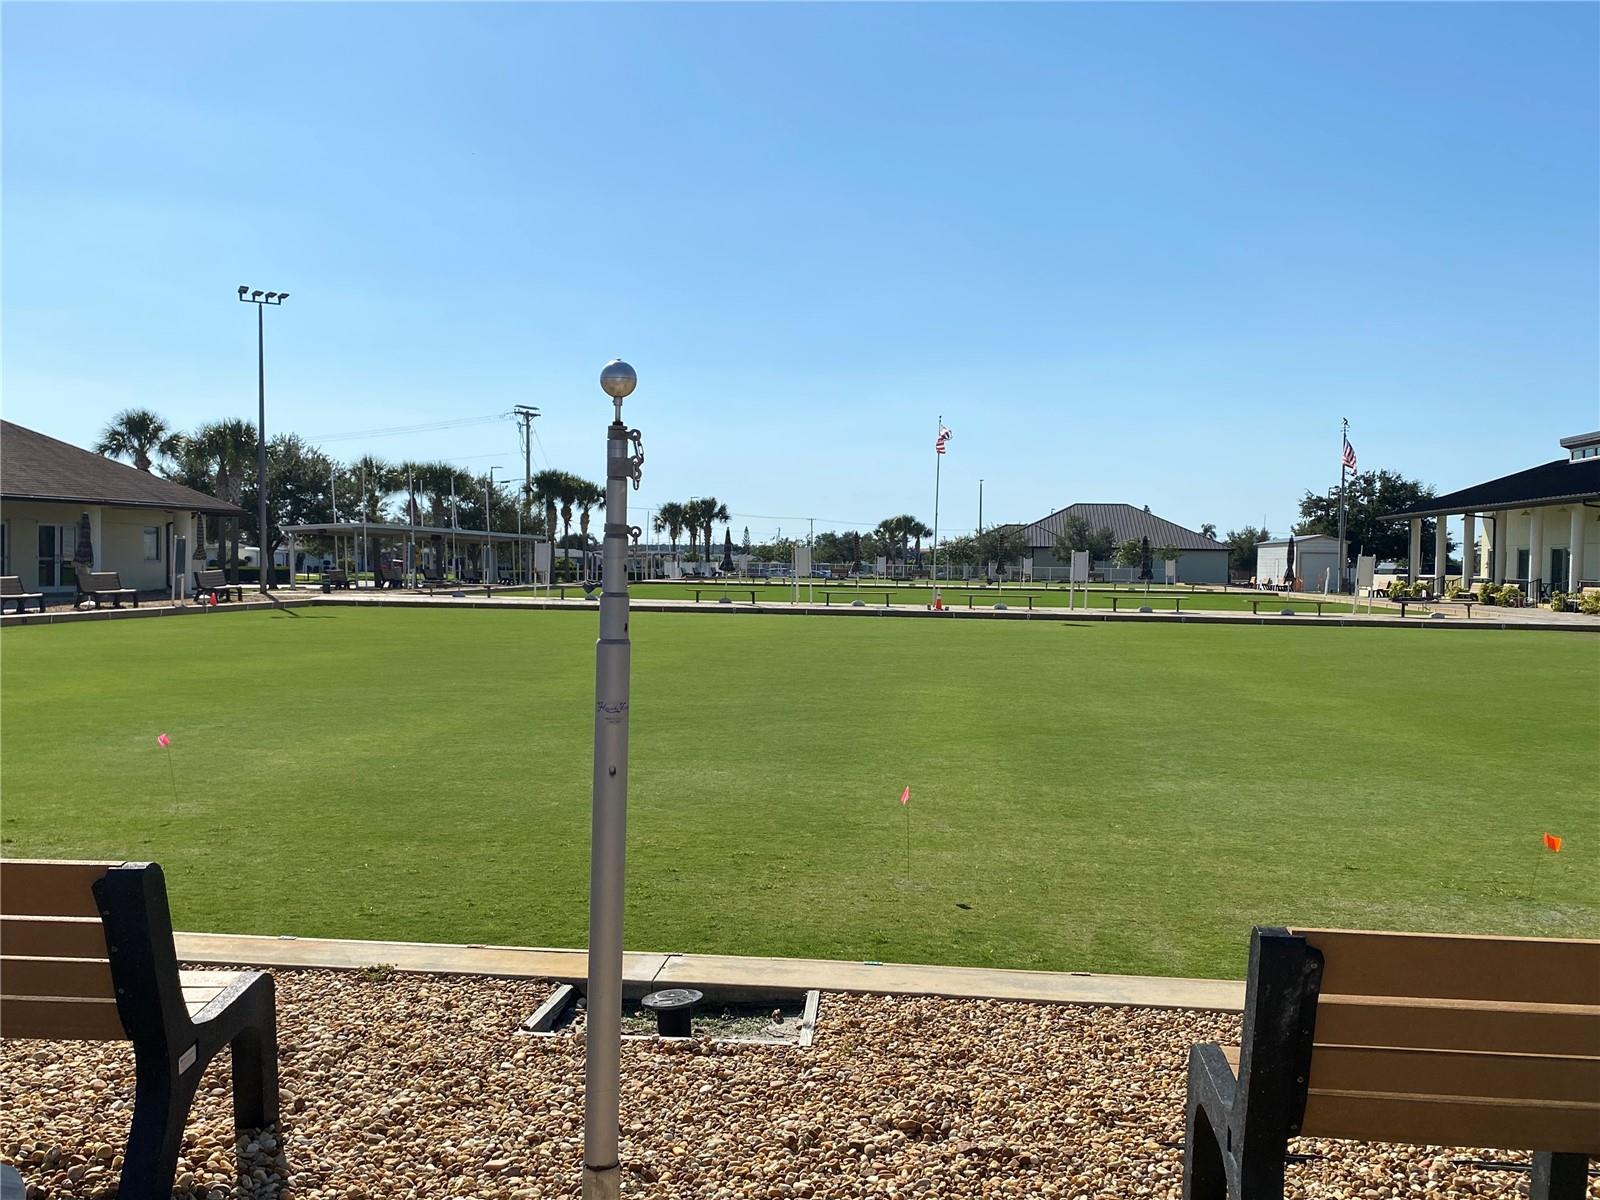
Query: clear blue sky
{"type": "Point", "coordinates": [1143, 253]}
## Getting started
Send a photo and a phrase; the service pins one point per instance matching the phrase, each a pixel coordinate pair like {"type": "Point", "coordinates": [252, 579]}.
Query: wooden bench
{"type": "Point", "coordinates": [216, 580]}
{"type": "Point", "coordinates": [86, 952]}
{"type": "Point", "coordinates": [388, 573]}
{"type": "Point", "coordinates": [1432, 1039]}
{"type": "Point", "coordinates": [1255, 605]}
{"type": "Point", "coordinates": [336, 577]}
{"type": "Point", "coordinates": [11, 589]}
{"type": "Point", "coordinates": [105, 585]}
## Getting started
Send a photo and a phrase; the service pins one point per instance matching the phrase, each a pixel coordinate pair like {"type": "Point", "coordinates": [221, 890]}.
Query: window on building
{"type": "Point", "coordinates": [152, 544]}
{"type": "Point", "coordinates": [1580, 452]}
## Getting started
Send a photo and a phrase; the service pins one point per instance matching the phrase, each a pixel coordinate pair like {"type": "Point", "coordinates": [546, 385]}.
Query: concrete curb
{"type": "Point", "coordinates": [722, 974]}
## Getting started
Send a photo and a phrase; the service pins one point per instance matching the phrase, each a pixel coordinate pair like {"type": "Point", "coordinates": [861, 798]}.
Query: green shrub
{"type": "Point", "coordinates": [1486, 593]}
{"type": "Point", "coordinates": [1455, 591]}
{"type": "Point", "coordinates": [1509, 595]}
{"type": "Point", "coordinates": [1558, 601]}
{"type": "Point", "coordinates": [1399, 590]}
{"type": "Point", "coordinates": [1589, 603]}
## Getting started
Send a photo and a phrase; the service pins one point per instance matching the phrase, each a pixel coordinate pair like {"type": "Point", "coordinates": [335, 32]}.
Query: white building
{"type": "Point", "coordinates": [135, 518]}
{"type": "Point", "coordinates": [1538, 528]}
{"type": "Point", "coordinates": [1316, 561]}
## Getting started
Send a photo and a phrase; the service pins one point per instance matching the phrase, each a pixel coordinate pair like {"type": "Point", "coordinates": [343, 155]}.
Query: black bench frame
{"type": "Point", "coordinates": [170, 1048]}
{"type": "Point", "coordinates": [21, 599]}
{"type": "Point", "coordinates": [1237, 1129]}
{"type": "Point", "coordinates": [114, 594]}
{"type": "Point", "coordinates": [221, 589]}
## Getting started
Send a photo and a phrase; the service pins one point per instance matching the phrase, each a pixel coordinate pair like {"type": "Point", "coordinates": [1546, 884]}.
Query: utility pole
{"type": "Point", "coordinates": [525, 413]}
{"type": "Point", "coordinates": [980, 506]}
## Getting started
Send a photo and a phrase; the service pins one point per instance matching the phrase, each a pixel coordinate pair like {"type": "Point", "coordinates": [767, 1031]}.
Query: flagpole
{"type": "Point", "coordinates": [938, 462]}
{"type": "Point", "coordinates": [1344, 446]}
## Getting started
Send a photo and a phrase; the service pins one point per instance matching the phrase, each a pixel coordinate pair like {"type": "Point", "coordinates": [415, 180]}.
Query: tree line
{"type": "Point", "coordinates": [306, 486]}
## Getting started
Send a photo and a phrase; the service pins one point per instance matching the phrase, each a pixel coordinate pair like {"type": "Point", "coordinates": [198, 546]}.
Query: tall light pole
{"type": "Point", "coordinates": [261, 300]}
{"type": "Point", "coordinates": [602, 1169]}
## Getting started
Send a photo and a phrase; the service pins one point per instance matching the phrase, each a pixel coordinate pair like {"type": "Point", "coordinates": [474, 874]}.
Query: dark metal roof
{"type": "Point", "coordinates": [1560, 482]}
{"type": "Point", "coordinates": [1126, 523]}
{"type": "Point", "coordinates": [36, 467]}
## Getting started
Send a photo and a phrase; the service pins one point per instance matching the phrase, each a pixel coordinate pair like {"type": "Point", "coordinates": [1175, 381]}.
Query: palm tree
{"type": "Point", "coordinates": [711, 510]}
{"type": "Point", "coordinates": [587, 496]}
{"type": "Point", "coordinates": [136, 434]}
{"type": "Point", "coordinates": [917, 530]}
{"type": "Point", "coordinates": [231, 446]}
{"type": "Point", "coordinates": [548, 487]}
{"type": "Point", "coordinates": [671, 518]}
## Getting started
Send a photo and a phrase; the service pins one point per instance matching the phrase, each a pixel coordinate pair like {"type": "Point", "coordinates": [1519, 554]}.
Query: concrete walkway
{"type": "Point", "coordinates": [723, 973]}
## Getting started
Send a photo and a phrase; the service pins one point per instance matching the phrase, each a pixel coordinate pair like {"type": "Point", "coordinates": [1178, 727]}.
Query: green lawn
{"type": "Point", "coordinates": [1084, 796]}
{"type": "Point", "coordinates": [956, 596]}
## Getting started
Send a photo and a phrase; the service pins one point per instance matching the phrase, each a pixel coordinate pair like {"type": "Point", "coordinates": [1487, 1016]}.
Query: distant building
{"type": "Point", "coordinates": [46, 486]}
{"type": "Point", "coordinates": [1200, 559]}
{"type": "Point", "coordinates": [1540, 526]}
{"type": "Point", "coordinates": [1316, 561]}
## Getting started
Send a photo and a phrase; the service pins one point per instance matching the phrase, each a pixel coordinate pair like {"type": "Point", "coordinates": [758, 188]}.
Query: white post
{"type": "Point", "coordinates": [1441, 553]}
{"type": "Point", "coordinates": [1469, 548]}
{"type": "Point", "coordinates": [1502, 544]}
{"type": "Point", "coordinates": [1414, 558]}
{"type": "Point", "coordinates": [1535, 552]}
{"type": "Point", "coordinates": [1575, 574]}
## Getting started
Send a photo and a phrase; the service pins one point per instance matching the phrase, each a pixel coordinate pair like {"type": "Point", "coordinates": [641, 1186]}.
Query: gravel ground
{"type": "Point", "coordinates": [418, 1086]}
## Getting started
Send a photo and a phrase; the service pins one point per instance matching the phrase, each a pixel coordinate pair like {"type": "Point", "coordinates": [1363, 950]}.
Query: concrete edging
{"type": "Point", "coordinates": [723, 974]}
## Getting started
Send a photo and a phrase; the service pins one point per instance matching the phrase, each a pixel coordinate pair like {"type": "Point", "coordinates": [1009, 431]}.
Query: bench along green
{"type": "Point", "coordinates": [105, 585]}
{"type": "Point", "coordinates": [1432, 1039]}
{"type": "Point", "coordinates": [11, 589]}
{"type": "Point", "coordinates": [86, 952]}
{"type": "Point", "coordinates": [336, 577]}
{"type": "Point", "coordinates": [216, 580]}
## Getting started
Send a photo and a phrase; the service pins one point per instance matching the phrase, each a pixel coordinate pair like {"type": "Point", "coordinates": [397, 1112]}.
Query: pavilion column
{"type": "Point", "coordinates": [1414, 558]}
{"type": "Point", "coordinates": [1469, 548]}
{"type": "Point", "coordinates": [1441, 552]}
{"type": "Point", "coordinates": [1535, 551]}
{"type": "Point", "coordinates": [1502, 544]}
{"type": "Point", "coordinates": [1575, 573]}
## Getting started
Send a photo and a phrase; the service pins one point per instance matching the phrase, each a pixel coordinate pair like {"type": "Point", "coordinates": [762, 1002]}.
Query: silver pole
{"type": "Point", "coordinates": [602, 1170]}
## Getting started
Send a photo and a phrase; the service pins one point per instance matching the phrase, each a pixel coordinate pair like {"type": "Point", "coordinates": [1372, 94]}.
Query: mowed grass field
{"type": "Point", "coordinates": [1088, 796]}
{"type": "Point", "coordinates": [955, 596]}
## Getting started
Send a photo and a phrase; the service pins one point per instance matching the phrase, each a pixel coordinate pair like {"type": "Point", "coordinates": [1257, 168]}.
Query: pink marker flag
{"type": "Point", "coordinates": [163, 740]}
{"type": "Point", "coordinates": [905, 796]}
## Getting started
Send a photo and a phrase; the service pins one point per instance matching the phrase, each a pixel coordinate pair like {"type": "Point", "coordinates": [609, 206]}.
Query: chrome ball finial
{"type": "Point", "coordinates": [618, 379]}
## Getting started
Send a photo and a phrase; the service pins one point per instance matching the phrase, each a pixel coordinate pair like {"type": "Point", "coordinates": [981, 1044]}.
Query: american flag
{"type": "Point", "coordinates": [938, 442]}
{"type": "Point", "coordinates": [1349, 457]}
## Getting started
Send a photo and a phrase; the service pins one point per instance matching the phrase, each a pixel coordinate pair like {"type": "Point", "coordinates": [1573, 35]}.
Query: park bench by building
{"type": "Point", "coordinates": [388, 573]}
{"type": "Point", "coordinates": [336, 577]}
{"type": "Point", "coordinates": [87, 953]}
{"type": "Point", "coordinates": [11, 589]}
{"type": "Point", "coordinates": [105, 585]}
{"type": "Point", "coordinates": [216, 580]}
{"type": "Point", "coordinates": [1397, 1037]}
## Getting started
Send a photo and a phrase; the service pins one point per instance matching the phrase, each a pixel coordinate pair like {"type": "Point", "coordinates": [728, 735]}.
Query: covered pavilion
{"type": "Point", "coordinates": [363, 543]}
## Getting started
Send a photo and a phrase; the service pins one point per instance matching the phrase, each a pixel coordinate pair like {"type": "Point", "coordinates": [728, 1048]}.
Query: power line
{"type": "Point", "coordinates": [401, 430]}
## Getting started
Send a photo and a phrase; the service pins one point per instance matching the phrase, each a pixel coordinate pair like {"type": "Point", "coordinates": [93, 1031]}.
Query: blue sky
{"type": "Point", "coordinates": [1148, 253]}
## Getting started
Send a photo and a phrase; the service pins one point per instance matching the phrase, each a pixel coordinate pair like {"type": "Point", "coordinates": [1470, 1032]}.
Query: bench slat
{"type": "Point", "coordinates": [1458, 967]}
{"type": "Point", "coordinates": [36, 888]}
{"type": "Point", "coordinates": [52, 937]}
{"type": "Point", "coordinates": [32, 1017]}
{"type": "Point", "coordinates": [83, 978]}
{"type": "Point", "coordinates": [1391, 1070]}
{"type": "Point", "coordinates": [1496, 1027]}
{"type": "Point", "coordinates": [1454, 1121]}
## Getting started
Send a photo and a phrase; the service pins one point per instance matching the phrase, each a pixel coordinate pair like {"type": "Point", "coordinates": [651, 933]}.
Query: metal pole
{"type": "Point", "coordinates": [980, 506]}
{"type": "Point", "coordinates": [602, 1170]}
{"type": "Point", "coordinates": [263, 553]}
{"type": "Point", "coordinates": [938, 462]}
{"type": "Point", "coordinates": [1345, 441]}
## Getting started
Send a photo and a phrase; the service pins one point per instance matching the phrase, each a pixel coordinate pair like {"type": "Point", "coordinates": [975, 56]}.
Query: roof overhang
{"type": "Point", "coordinates": [221, 506]}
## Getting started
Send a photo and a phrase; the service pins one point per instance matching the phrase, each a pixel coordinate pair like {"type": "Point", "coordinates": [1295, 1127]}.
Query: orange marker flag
{"type": "Point", "coordinates": [1552, 843]}
{"type": "Point", "coordinates": [905, 798]}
